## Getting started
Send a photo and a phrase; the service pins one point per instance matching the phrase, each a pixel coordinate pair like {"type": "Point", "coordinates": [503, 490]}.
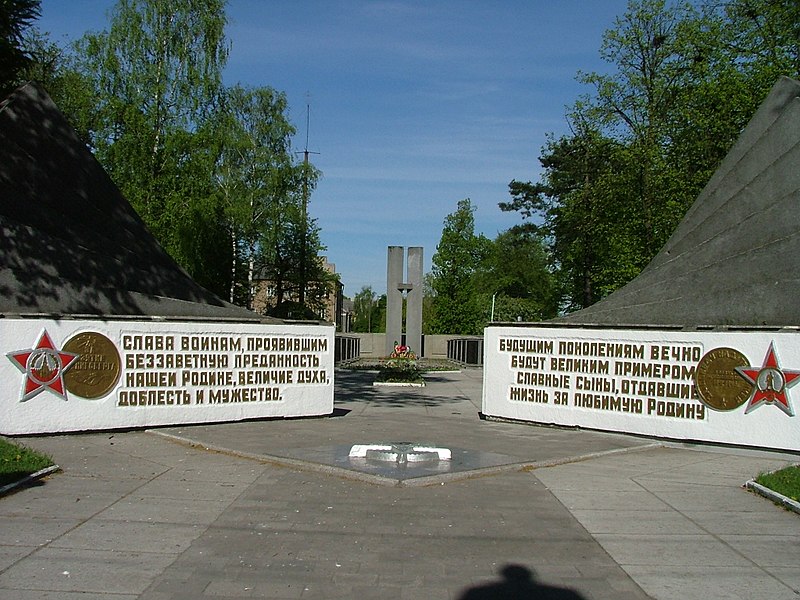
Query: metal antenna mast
{"type": "Point", "coordinates": [301, 296]}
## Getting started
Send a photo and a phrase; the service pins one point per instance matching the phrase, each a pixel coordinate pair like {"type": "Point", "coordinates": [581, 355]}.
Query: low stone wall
{"type": "Point", "coordinates": [373, 345]}
{"type": "Point", "coordinates": [81, 375]}
{"type": "Point", "coordinates": [732, 387]}
{"type": "Point", "coordinates": [348, 347]}
{"type": "Point", "coordinates": [466, 350]}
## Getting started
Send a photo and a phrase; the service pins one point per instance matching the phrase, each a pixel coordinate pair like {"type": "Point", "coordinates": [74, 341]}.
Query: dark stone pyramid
{"type": "Point", "coordinates": [734, 260]}
{"type": "Point", "coordinates": [71, 244]}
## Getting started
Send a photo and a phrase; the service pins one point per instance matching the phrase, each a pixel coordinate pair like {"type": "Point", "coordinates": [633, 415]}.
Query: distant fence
{"type": "Point", "coordinates": [346, 347]}
{"type": "Point", "coordinates": [373, 345]}
{"type": "Point", "coordinates": [468, 351]}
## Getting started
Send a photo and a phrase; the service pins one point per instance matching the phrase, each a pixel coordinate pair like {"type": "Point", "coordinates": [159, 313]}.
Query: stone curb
{"type": "Point", "coordinates": [10, 487]}
{"type": "Point", "coordinates": [777, 498]}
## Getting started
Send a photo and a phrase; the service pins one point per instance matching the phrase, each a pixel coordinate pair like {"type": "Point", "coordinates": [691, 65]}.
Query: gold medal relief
{"type": "Point", "coordinates": [97, 369]}
{"type": "Point", "coordinates": [719, 385]}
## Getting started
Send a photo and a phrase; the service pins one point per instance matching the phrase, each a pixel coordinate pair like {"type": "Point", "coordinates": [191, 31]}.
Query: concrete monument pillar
{"type": "Point", "coordinates": [414, 300]}
{"type": "Point", "coordinates": [396, 287]}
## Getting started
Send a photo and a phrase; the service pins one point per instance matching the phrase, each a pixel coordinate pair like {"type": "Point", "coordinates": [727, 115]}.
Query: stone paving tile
{"type": "Point", "coordinates": [61, 595]}
{"type": "Point", "coordinates": [612, 500]}
{"type": "Point", "coordinates": [347, 536]}
{"type": "Point", "coordinates": [673, 550]}
{"type": "Point", "coordinates": [755, 522]}
{"type": "Point", "coordinates": [768, 549]}
{"type": "Point", "coordinates": [79, 497]}
{"type": "Point", "coordinates": [639, 522]}
{"type": "Point", "coordinates": [692, 531]}
{"type": "Point", "coordinates": [93, 571]}
{"type": "Point", "coordinates": [129, 536]}
{"type": "Point", "coordinates": [721, 582]}
{"type": "Point", "coordinates": [169, 487]}
{"type": "Point", "coordinates": [697, 497]}
{"type": "Point", "coordinates": [11, 554]}
{"type": "Point", "coordinates": [789, 576]}
{"type": "Point", "coordinates": [185, 511]}
{"type": "Point", "coordinates": [32, 531]}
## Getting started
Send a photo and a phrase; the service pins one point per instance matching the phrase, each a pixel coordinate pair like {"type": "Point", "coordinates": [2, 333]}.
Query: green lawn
{"type": "Point", "coordinates": [17, 461]}
{"type": "Point", "coordinates": [786, 482]}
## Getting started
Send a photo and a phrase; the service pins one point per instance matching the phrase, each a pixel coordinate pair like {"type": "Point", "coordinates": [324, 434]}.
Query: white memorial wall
{"type": "Point", "coordinates": [732, 387]}
{"type": "Point", "coordinates": [80, 375]}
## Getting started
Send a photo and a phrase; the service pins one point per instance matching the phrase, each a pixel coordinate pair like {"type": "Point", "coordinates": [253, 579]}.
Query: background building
{"type": "Point", "coordinates": [330, 295]}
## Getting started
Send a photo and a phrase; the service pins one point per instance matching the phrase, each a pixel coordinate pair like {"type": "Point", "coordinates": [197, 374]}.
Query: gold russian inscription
{"type": "Point", "coordinates": [543, 379]}
{"type": "Point", "coordinates": [264, 377]}
{"type": "Point", "coordinates": [148, 379]}
{"type": "Point", "coordinates": [237, 395]}
{"type": "Point", "coordinates": [206, 378]}
{"type": "Point", "coordinates": [679, 410]}
{"type": "Point", "coordinates": [520, 394]}
{"type": "Point", "coordinates": [526, 345]}
{"type": "Point", "coordinates": [608, 402]}
{"type": "Point", "coordinates": [655, 379]}
{"type": "Point", "coordinates": [148, 342]}
{"type": "Point", "coordinates": [601, 349]}
{"type": "Point", "coordinates": [202, 369]}
{"type": "Point", "coordinates": [527, 362]}
{"type": "Point", "coordinates": [579, 365]}
{"type": "Point", "coordinates": [153, 397]}
{"type": "Point", "coordinates": [284, 344]}
{"type": "Point", "coordinates": [210, 343]}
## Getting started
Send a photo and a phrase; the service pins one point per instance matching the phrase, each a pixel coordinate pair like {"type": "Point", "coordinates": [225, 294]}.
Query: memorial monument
{"type": "Point", "coordinates": [705, 343]}
{"type": "Point", "coordinates": [398, 288]}
{"type": "Point", "coordinates": [101, 329]}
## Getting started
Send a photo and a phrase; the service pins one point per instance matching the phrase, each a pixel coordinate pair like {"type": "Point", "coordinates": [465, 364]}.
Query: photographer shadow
{"type": "Point", "coordinates": [518, 583]}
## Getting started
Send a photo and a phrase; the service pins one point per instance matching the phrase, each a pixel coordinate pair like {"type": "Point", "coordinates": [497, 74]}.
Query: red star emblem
{"type": "Point", "coordinates": [771, 383]}
{"type": "Point", "coordinates": [44, 368]}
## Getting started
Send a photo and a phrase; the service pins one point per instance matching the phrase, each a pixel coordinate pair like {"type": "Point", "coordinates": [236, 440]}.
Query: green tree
{"type": "Point", "coordinates": [157, 77]}
{"type": "Point", "coordinates": [514, 277]}
{"type": "Point", "coordinates": [366, 309]}
{"type": "Point", "coordinates": [16, 16]}
{"type": "Point", "coordinates": [455, 262]}
{"type": "Point", "coordinates": [585, 220]}
{"type": "Point", "coordinates": [54, 68]}
{"type": "Point", "coordinates": [255, 174]}
{"type": "Point", "coordinates": [290, 248]}
{"type": "Point", "coordinates": [762, 35]}
{"type": "Point", "coordinates": [683, 82]}
{"type": "Point", "coordinates": [636, 100]}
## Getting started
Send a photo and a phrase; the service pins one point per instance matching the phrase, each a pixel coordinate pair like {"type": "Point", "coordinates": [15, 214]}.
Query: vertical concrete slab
{"type": "Point", "coordinates": [414, 304]}
{"type": "Point", "coordinates": [394, 297]}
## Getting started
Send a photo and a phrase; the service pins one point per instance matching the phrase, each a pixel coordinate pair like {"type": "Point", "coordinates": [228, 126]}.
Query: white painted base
{"type": "Point", "coordinates": [166, 373]}
{"type": "Point", "coordinates": [582, 377]}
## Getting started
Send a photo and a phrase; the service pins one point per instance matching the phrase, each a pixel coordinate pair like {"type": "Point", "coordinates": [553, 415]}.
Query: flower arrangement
{"type": "Point", "coordinates": [401, 366]}
{"type": "Point", "coordinates": [401, 351]}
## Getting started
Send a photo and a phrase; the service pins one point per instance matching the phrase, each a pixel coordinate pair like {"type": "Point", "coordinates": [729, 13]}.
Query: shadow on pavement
{"type": "Point", "coordinates": [518, 583]}
{"type": "Point", "coordinates": [356, 386]}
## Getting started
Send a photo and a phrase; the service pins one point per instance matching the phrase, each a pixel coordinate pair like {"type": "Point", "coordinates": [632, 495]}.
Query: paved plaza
{"type": "Point", "coordinates": [270, 509]}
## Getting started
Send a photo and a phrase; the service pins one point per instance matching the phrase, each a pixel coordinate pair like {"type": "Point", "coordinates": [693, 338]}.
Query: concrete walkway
{"type": "Point", "coordinates": [260, 510]}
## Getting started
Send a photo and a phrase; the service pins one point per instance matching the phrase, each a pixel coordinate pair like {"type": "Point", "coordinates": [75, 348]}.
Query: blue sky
{"type": "Point", "coordinates": [414, 105]}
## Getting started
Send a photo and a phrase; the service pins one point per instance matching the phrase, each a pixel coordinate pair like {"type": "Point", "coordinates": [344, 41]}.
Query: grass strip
{"type": "Point", "coordinates": [18, 461]}
{"type": "Point", "coordinates": [785, 482]}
